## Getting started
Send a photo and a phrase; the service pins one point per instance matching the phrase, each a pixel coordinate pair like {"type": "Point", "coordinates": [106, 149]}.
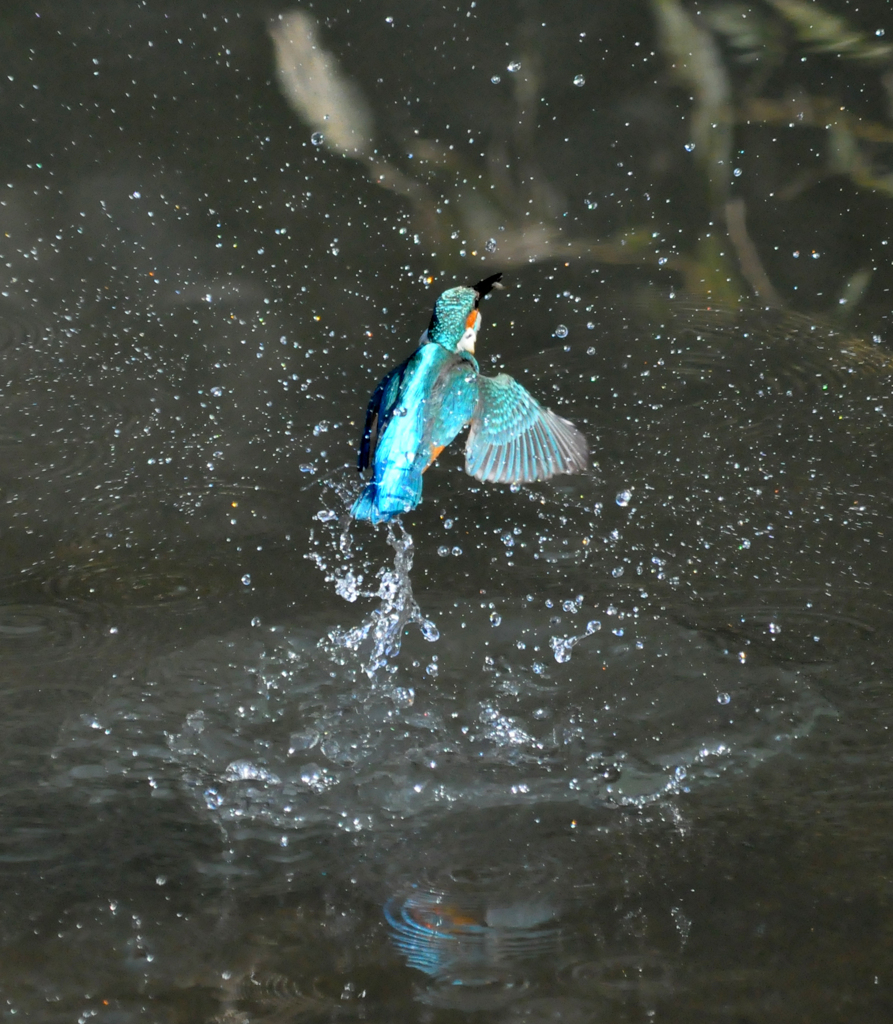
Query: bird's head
{"type": "Point", "coordinates": [456, 320]}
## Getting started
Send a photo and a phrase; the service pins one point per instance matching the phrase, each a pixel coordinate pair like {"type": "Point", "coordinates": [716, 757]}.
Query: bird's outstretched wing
{"type": "Point", "coordinates": [454, 397]}
{"type": "Point", "coordinates": [379, 411]}
{"type": "Point", "coordinates": [513, 439]}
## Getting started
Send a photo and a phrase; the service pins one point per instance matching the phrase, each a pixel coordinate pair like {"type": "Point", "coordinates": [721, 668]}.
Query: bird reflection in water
{"type": "Point", "coordinates": [477, 950]}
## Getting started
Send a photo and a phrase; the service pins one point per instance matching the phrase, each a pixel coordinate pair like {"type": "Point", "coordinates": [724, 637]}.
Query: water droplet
{"type": "Point", "coordinates": [255, 622]}
{"type": "Point", "coordinates": [317, 138]}
{"type": "Point", "coordinates": [561, 331]}
{"type": "Point", "coordinates": [456, 551]}
{"type": "Point", "coordinates": [579, 80]}
{"type": "Point", "coordinates": [245, 770]}
{"type": "Point", "coordinates": [495, 79]}
{"type": "Point", "coordinates": [774, 628]}
{"type": "Point", "coordinates": [404, 696]}
{"type": "Point", "coordinates": [429, 631]}
{"type": "Point", "coordinates": [593, 626]}
{"type": "Point", "coordinates": [216, 391]}
{"type": "Point", "coordinates": [304, 740]}
{"type": "Point", "coordinates": [348, 587]}
{"type": "Point", "coordinates": [561, 648]}
{"type": "Point", "coordinates": [432, 669]}
{"type": "Point", "coordinates": [618, 572]}
{"type": "Point", "coordinates": [326, 515]}
{"type": "Point", "coordinates": [311, 775]}
{"type": "Point", "coordinates": [680, 772]}
{"type": "Point", "coordinates": [495, 619]}
{"type": "Point", "coordinates": [246, 579]}
{"type": "Point", "coordinates": [443, 551]}
{"type": "Point", "coordinates": [389, 20]}
{"type": "Point", "coordinates": [491, 245]}
{"type": "Point", "coordinates": [591, 204]}
{"type": "Point", "coordinates": [737, 172]}
{"type": "Point", "coordinates": [689, 146]}
{"type": "Point", "coordinates": [515, 65]}
{"type": "Point", "coordinates": [723, 698]}
{"type": "Point", "coordinates": [662, 260]}
{"type": "Point", "coordinates": [623, 498]}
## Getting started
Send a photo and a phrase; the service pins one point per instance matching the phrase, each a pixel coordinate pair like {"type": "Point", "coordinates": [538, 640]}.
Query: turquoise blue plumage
{"type": "Point", "coordinates": [421, 405]}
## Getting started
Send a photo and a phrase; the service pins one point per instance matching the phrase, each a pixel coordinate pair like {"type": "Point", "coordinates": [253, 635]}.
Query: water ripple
{"type": "Point", "coordinates": [22, 331]}
{"type": "Point", "coordinates": [44, 629]}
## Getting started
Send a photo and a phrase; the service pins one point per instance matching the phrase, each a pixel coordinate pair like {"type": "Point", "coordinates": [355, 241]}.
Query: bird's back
{"type": "Point", "coordinates": [402, 449]}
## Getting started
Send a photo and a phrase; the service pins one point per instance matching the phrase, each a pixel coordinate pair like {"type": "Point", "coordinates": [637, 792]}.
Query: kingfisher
{"type": "Point", "coordinates": [421, 405]}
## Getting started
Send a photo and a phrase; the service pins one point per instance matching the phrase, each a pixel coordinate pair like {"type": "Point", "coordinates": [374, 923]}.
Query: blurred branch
{"type": "Point", "coordinates": [853, 291]}
{"type": "Point", "coordinates": [748, 257]}
{"type": "Point", "coordinates": [319, 91]}
{"type": "Point", "coordinates": [845, 156]}
{"type": "Point", "coordinates": [824, 32]}
{"type": "Point", "coordinates": [803, 110]}
{"type": "Point", "coordinates": [316, 88]}
{"type": "Point", "coordinates": [757, 37]}
{"type": "Point", "coordinates": [697, 63]}
{"type": "Point", "coordinates": [513, 213]}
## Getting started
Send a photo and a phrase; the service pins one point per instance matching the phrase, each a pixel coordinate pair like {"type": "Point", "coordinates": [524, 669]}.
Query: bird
{"type": "Point", "coordinates": [421, 405]}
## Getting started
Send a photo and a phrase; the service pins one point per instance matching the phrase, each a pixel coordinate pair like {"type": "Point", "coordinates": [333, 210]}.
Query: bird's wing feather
{"type": "Point", "coordinates": [454, 397]}
{"type": "Point", "coordinates": [379, 411]}
{"type": "Point", "coordinates": [513, 439]}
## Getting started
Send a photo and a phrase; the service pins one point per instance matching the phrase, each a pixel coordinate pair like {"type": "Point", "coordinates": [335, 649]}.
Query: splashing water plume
{"type": "Point", "coordinates": [398, 609]}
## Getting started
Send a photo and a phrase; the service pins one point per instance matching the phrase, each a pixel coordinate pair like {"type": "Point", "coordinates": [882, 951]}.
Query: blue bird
{"type": "Point", "coordinates": [422, 404]}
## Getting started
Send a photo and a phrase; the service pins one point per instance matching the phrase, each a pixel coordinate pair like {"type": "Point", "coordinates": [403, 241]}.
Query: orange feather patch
{"type": "Point", "coordinates": [435, 451]}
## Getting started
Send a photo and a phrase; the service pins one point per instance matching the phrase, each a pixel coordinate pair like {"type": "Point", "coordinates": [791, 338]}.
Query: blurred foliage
{"type": "Point", "coordinates": [821, 31]}
{"type": "Point", "coordinates": [737, 69]}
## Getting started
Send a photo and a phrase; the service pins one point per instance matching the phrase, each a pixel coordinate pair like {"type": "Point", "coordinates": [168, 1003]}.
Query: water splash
{"type": "Point", "coordinates": [562, 646]}
{"type": "Point", "coordinates": [384, 628]}
{"type": "Point", "coordinates": [399, 607]}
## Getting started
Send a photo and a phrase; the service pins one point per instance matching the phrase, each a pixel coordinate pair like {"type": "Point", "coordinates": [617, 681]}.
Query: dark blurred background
{"type": "Point", "coordinates": [614, 747]}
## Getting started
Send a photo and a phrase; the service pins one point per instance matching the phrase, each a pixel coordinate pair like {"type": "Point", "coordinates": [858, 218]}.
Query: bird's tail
{"type": "Point", "coordinates": [366, 505]}
{"type": "Point", "coordinates": [384, 500]}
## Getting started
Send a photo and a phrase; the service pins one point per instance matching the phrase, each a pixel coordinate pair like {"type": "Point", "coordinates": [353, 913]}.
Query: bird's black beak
{"type": "Point", "coordinates": [486, 286]}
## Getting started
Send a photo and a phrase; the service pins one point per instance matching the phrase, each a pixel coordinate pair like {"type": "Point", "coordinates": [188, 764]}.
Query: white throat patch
{"type": "Point", "coordinates": [466, 342]}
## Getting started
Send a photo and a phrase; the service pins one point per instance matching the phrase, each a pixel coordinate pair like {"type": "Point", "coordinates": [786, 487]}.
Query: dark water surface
{"type": "Point", "coordinates": [611, 748]}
